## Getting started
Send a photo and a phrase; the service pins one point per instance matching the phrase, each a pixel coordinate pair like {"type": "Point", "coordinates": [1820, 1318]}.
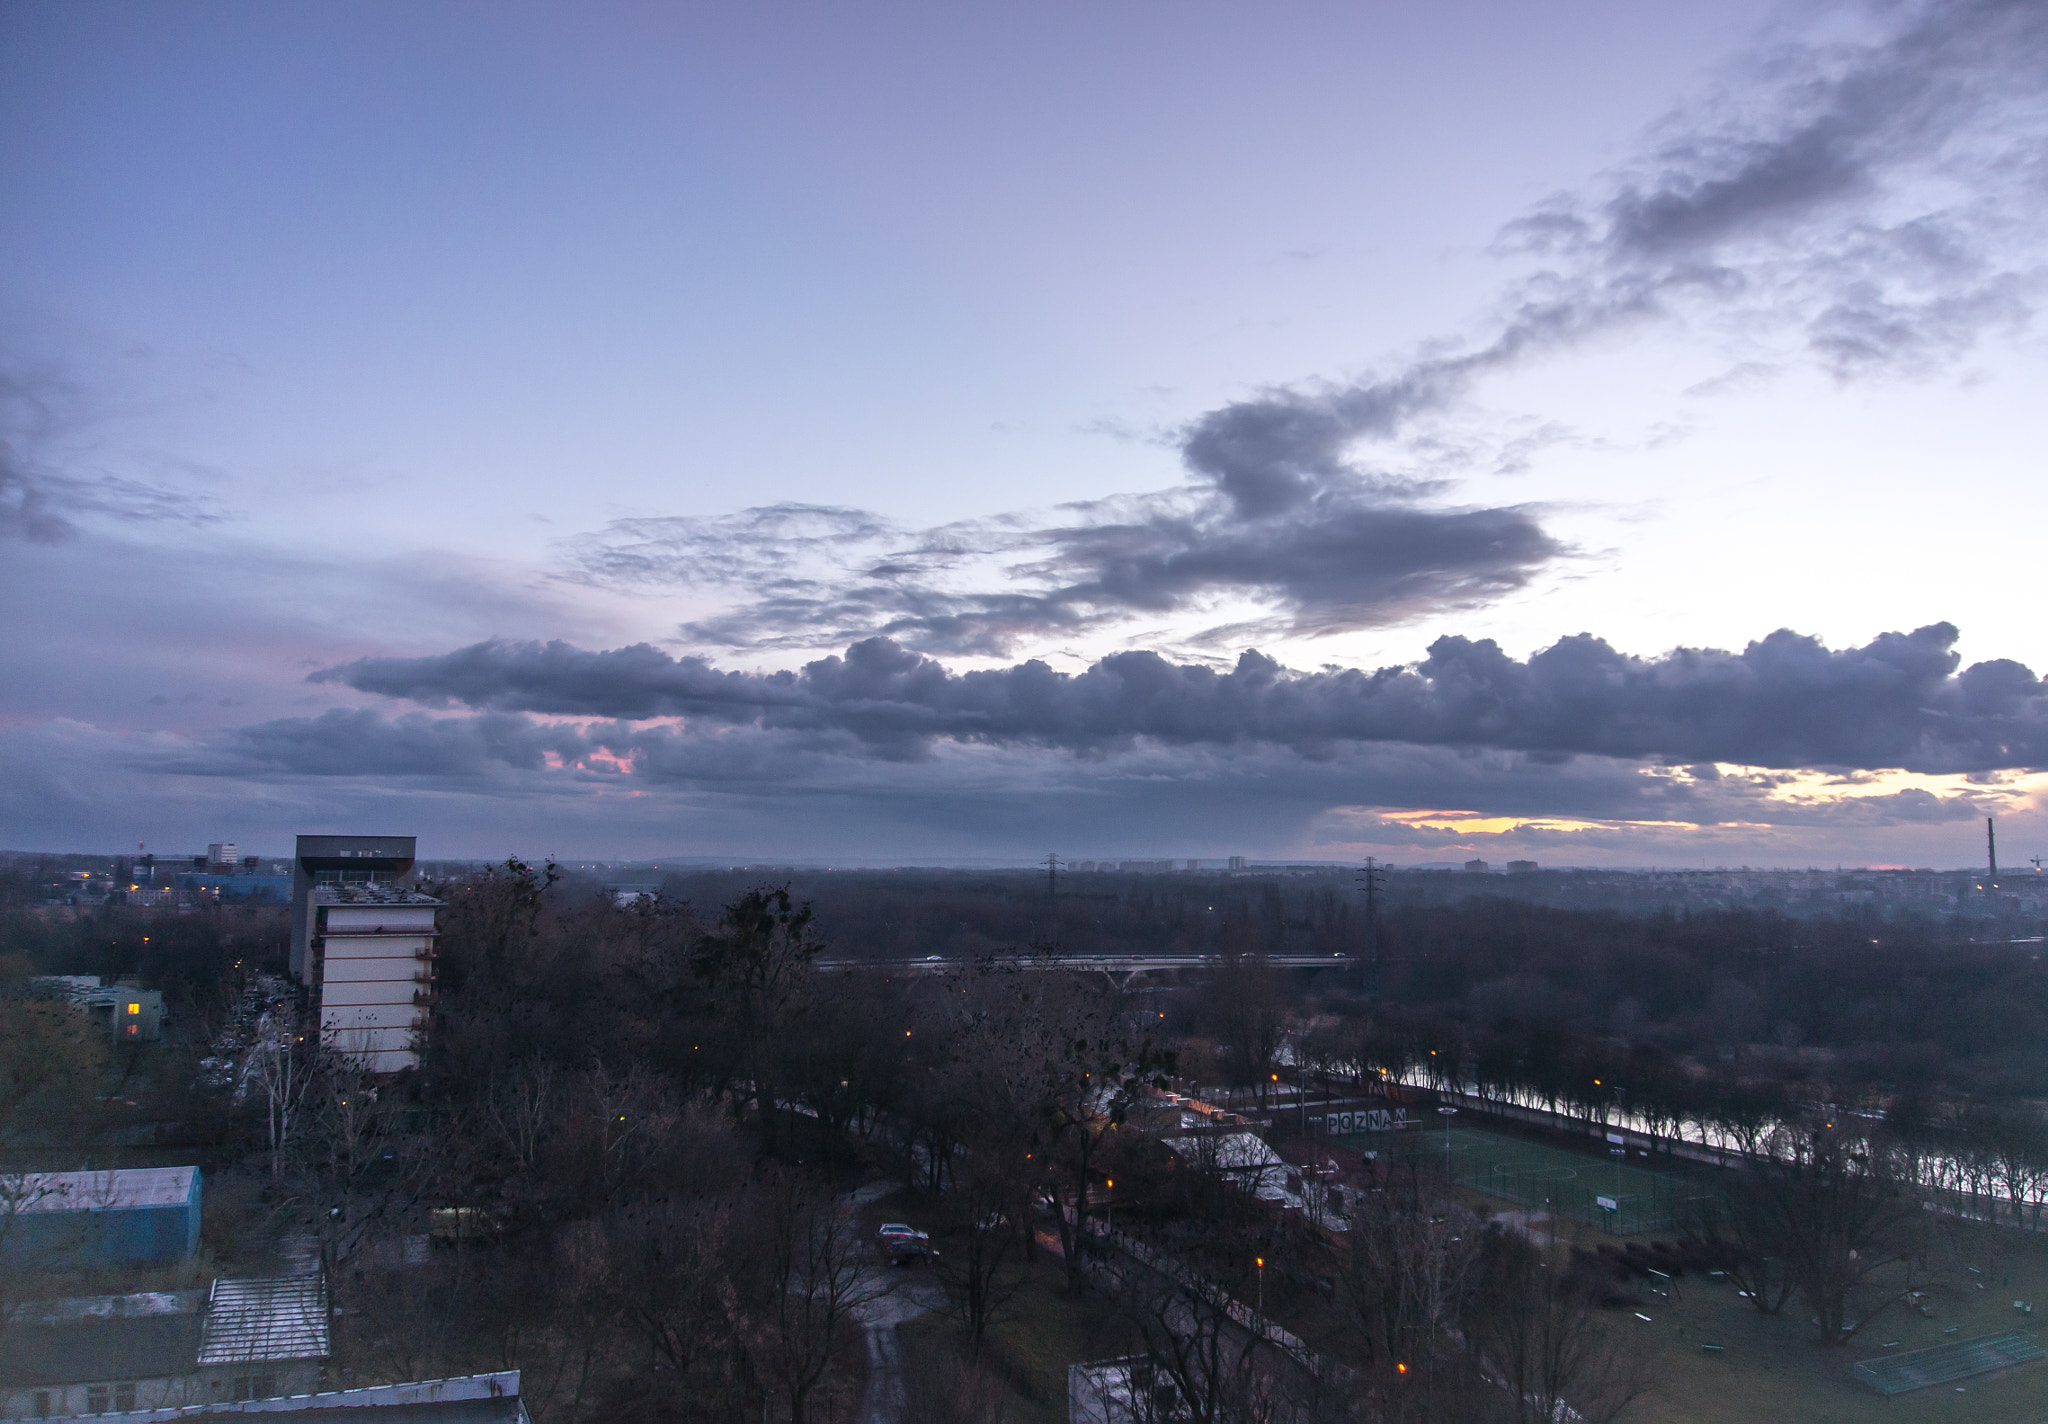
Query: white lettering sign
{"type": "Point", "coordinates": [1367, 1120]}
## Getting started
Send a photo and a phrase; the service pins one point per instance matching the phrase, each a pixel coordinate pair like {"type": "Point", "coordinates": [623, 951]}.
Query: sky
{"type": "Point", "coordinates": [1594, 433]}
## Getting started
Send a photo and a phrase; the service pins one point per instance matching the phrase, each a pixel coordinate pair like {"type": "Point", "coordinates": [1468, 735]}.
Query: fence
{"type": "Point", "coordinates": [1643, 1201]}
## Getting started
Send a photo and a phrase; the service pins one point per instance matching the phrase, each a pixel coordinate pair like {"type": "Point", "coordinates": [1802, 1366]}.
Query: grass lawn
{"type": "Point", "coordinates": [1042, 1333]}
{"type": "Point", "coordinates": [1770, 1368]}
{"type": "Point", "coordinates": [1038, 1335]}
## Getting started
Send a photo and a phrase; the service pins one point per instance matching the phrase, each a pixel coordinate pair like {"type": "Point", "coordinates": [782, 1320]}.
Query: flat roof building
{"type": "Point", "coordinates": [166, 1353]}
{"type": "Point", "coordinates": [341, 860]}
{"type": "Point", "coordinates": [126, 1217]}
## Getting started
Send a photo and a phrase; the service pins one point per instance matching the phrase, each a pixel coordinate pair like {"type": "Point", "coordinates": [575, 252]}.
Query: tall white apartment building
{"type": "Point", "coordinates": [370, 965]}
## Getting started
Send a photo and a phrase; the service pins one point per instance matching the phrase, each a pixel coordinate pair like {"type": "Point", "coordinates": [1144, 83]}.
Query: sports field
{"type": "Point", "coordinates": [1616, 1196]}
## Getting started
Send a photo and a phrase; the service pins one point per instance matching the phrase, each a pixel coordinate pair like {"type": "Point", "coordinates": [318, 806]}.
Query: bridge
{"type": "Point", "coordinates": [1125, 965]}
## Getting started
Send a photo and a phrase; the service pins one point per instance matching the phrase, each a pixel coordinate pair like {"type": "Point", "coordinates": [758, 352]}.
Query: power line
{"type": "Point", "coordinates": [1371, 878]}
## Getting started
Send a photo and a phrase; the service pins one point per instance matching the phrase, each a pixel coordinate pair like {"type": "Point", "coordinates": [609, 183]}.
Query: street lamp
{"type": "Point", "coordinates": [1448, 1114]}
{"type": "Point", "coordinates": [1261, 1263]}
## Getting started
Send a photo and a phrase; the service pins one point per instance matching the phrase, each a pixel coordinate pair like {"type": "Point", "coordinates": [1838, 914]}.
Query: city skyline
{"type": "Point", "coordinates": [1596, 437]}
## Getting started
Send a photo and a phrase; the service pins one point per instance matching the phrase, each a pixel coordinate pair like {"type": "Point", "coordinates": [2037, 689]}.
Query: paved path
{"type": "Point", "coordinates": [916, 1293]}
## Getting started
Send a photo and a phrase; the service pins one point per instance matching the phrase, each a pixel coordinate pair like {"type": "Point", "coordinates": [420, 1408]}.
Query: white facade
{"type": "Point", "coordinates": [373, 972]}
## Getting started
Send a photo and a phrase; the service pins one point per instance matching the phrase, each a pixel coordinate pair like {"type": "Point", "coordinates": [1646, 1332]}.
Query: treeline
{"type": "Point", "coordinates": [192, 956]}
{"type": "Point", "coordinates": [1905, 1007]}
{"type": "Point", "coordinates": [1877, 1003]}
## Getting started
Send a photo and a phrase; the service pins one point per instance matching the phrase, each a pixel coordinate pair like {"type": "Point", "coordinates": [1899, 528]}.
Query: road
{"type": "Point", "coordinates": [1099, 963]}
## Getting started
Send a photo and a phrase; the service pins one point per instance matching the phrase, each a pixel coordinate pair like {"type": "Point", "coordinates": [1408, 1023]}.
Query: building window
{"type": "Point", "coordinates": [42, 1404]}
{"type": "Point", "coordinates": [97, 1398]}
{"type": "Point", "coordinates": [124, 1395]}
{"type": "Point", "coordinates": [263, 1386]}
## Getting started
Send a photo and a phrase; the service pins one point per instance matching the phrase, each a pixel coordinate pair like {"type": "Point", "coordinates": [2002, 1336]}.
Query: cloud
{"type": "Point", "coordinates": [488, 783]}
{"type": "Point", "coordinates": [1785, 701]}
{"type": "Point", "coordinates": [1350, 553]}
{"type": "Point", "coordinates": [1874, 198]}
{"type": "Point", "coordinates": [1864, 205]}
{"type": "Point", "coordinates": [42, 505]}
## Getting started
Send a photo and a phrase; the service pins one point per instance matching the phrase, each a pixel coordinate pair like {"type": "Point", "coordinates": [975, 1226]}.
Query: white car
{"type": "Point", "coordinates": [904, 1245]}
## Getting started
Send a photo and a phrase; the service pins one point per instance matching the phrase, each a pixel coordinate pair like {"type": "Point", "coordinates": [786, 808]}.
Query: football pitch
{"type": "Point", "coordinates": [1619, 1196]}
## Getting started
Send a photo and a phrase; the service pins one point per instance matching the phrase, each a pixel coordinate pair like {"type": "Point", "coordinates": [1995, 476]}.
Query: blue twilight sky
{"type": "Point", "coordinates": [1601, 433]}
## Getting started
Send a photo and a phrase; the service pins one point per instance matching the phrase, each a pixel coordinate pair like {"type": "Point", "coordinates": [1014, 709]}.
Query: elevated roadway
{"type": "Point", "coordinates": [1118, 964]}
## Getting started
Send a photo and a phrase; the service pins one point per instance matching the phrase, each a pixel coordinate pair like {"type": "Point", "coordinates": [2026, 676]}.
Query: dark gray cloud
{"type": "Point", "coordinates": [1349, 553]}
{"type": "Point", "coordinates": [356, 742]}
{"type": "Point", "coordinates": [1785, 701]}
{"type": "Point", "coordinates": [473, 783]}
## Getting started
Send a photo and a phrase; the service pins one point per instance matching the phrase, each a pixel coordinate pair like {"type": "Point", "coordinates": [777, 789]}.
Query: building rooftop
{"type": "Point", "coordinates": [123, 1189]}
{"type": "Point", "coordinates": [69, 1310]}
{"type": "Point", "coordinates": [466, 1399]}
{"type": "Point", "coordinates": [274, 1318]}
{"type": "Point", "coordinates": [370, 893]}
{"type": "Point", "coordinates": [52, 1347]}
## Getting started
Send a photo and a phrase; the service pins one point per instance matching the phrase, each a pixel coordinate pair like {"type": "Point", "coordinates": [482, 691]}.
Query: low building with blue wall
{"type": "Point", "coordinates": [147, 1216]}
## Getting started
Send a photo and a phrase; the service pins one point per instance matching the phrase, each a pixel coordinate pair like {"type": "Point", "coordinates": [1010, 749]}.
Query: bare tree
{"type": "Point", "coordinates": [279, 1071]}
{"type": "Point", "coordinates": [813, 1274]}
{"type": "Point", "coordinates": [1409, 1276]}
{"type": "Point", "coordinates": [1740, 1229]}
{"type": "Point", "coordinates": [1536, 1324]}
{"type": "Point", "coordinates": [519, 1108]}
{"type": "Point", "coordinates": [1198, 1363]}
{"type": "Point", "coordinates": [670, 1272]}
{"type": "Point", "coordinates": [21, 1194]}
{"type": "Point", "coordinates": [756, 962]}
{"type": "Point", "coordinates": [989, 1205]}
{"type": "Point", "coordinates": [2011, 1142]}
{"type": "Point", "coordinates": [1834, 1208]}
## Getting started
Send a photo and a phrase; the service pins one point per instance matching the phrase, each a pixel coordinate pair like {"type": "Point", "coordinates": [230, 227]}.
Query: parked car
{"type": "Point", "coordinates": [904, 1245]}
